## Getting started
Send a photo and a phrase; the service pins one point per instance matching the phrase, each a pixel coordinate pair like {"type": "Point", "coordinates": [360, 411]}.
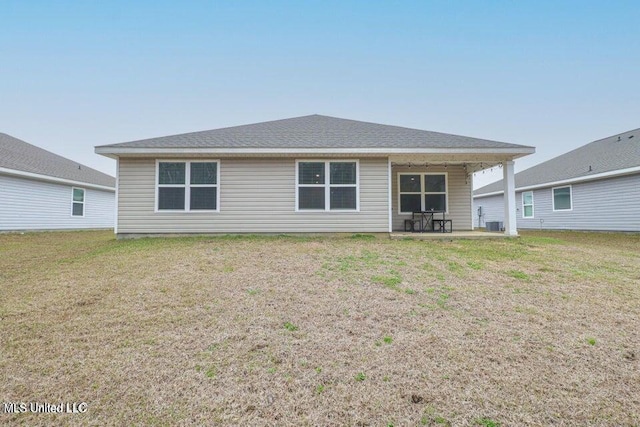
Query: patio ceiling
{"type": "Point", "coordinates": [471, 164]}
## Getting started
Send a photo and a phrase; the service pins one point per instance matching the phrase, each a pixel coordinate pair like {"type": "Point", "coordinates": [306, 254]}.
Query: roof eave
{"type": "Point", "coordinates": [115, 151]}
{"type": "Point", "coordinates": [586, 178]}
{"type": "Point", "coordinates": [54, 179]}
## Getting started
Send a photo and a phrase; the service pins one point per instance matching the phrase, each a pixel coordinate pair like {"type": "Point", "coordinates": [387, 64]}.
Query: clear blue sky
{"type": "Point", "coordinates": [553, 74]}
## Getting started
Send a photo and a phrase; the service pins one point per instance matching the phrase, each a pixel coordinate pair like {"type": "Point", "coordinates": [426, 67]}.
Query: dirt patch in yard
{"type": "Point", "coordinates": [284, 330]}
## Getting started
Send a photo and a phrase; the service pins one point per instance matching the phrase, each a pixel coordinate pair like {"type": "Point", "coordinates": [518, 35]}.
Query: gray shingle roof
{"type": "Point", "coordinates": [19, 155]}
{"type": "Point", "coordinates": [616, 152]}
{"type": "Point", "coordinates": [315, 131]}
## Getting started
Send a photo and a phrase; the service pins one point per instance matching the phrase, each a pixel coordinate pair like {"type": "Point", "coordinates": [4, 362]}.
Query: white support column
{"type": "Point", "coordinates": [509, 187]}
{"type": "Point", "coordinates": [471, 195]}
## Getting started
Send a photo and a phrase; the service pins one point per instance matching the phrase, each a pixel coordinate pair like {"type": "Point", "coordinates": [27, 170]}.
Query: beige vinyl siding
{"type": "Point", "coordinates": [458, 197]}
{"type": "Point", "coordinates": [256, 196]}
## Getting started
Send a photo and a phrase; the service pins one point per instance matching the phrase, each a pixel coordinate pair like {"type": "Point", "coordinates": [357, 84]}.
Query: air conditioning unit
{"type": "Point", "coordinates": [494, 226]}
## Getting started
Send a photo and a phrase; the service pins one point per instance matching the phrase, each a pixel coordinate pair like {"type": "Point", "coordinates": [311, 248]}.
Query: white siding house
{"type": "Point", "coordinates": [595, 187]}
{"type": "Point", "coordinates": [42, 191]}
{"type": "Point", "coordinates": [308, 174]}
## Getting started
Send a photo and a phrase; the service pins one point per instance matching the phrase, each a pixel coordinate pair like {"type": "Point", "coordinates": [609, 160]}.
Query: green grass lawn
{"type": "Point", "coordinates": [249, 330]}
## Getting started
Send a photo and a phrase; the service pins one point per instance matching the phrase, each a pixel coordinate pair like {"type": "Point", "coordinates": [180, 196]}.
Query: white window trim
{"type": "Point", "coordinates": [553, 199]}
{"type": "Point", "coordinates": [423, 193]}
{"type": "Point", "coordinates": [533, 209]}
{"type": "Point", "coordinates": [327, 185]}
{"type": "Point", "coordinates": [187, 186]}
{"type": "Point", "coordinates": [83, 202]}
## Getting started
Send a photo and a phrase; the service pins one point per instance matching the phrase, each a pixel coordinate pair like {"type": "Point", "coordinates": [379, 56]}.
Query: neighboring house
{"type": "Point", "coordinates": [305, 174]}
{"type": "Point", "coordinates": [43, 191]}
{"type": "Point", "coordinates": [594, 187]}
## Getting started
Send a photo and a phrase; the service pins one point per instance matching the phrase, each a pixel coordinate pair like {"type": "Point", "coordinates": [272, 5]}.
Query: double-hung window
{"type": "Point", "coordinates": [562, 198]}
{"type": "Point", "coordinates": [527, 204]}
{"type": "Point", "coordinates": [422, 192]}
{"type": "Point", "coordinates": [327, 185]}
{"type": "Point", "coordinates": [188, 186]}
{"type": "Point", "coordinates": [77, 201]}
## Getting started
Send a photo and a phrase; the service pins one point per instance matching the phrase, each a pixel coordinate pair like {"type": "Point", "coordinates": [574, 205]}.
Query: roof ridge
{"type": "Point", "coordinates": [611, 136]}
{"type": "Point", "coordinates": [211, 130]}
{"type": "Point", "coordinates": [410, 128]}
{"type": "Point", "coordinates": [583, 146]}
{"type": "Point", "coordinates": [194, 133]}
{"type": "Point", "coordinates": [580, 148]}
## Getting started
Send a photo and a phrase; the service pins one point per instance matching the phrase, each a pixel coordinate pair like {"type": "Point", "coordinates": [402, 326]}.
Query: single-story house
{"type": "Point", "coordinates": [43, 191]}
{"type": "Point", "coordinates": [306, 174]}
{"type": "Point", "coordinates": [594, 187]}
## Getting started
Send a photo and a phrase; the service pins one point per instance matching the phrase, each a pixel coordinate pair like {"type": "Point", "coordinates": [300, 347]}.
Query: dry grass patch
{"type": "Point", "coordinates": [310, 331]}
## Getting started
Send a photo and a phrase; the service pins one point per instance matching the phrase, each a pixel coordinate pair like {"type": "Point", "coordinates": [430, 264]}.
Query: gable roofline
{"type": "Point", "coordinates": [311, 134]}
{"type": "Point", "coordinates": [18, 157]}
{"type": "Point", "coordinates": [53, 179]}
{"type": "Point", "coordinates": [595, 177]}
{"type": "Point", "coordinates": [599, 158]}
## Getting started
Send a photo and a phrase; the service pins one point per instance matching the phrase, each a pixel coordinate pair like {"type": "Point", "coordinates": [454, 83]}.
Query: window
{"type": "Point", "coordinates": [187, 186]}
{"type": "Point", "coordinates": [327, 185]}
{"type": "Point", "coordinates": [422, 192]}
{"type": "Point", "coordinates": [77, 201]}
{"type": "Point", "coordinates": [527, 204]}
{"type": "Point", "coordinates": [562, 198]}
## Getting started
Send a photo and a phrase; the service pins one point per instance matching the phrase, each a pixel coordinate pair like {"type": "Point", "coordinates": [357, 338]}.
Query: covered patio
{"type": "Point", "coordinates": [443, 184]}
